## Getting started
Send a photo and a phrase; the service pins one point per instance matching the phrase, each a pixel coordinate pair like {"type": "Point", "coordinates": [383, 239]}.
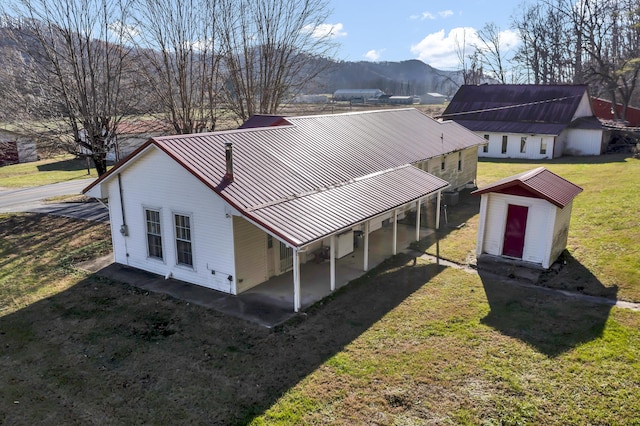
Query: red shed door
{"type": "Point", "coordinates": [515, 230]}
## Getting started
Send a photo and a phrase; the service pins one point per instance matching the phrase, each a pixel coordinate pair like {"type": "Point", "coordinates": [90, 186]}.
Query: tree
{"type": "Point", "coordinates": [177, 42]}
{"type": "Point", "coordinates": [270, 50]}
{"type": "Point", "coordinates": [490, 51]}
{"type": "Point", "coordinates": [590, 41]}
{"type": "Point", "coordinates": [80, 66]}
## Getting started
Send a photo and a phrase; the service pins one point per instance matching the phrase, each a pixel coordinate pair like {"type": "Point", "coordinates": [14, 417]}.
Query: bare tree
{"type": "Point", "coordinates": [270, 51]}
{"type": "Point", "coordinates": [471, 68]}
{"type": "Point", "coordinates": [178, 47]}
{"type": "Point", "coordinates": [490, 52]}
{"type": "Point", "coordinates": [79, 65]}
{"type": "Point", "coordinates": [589, 41]}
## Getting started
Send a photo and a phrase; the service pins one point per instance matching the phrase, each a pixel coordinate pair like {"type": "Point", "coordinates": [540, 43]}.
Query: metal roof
{"type": "Point", "coordinates": [263, 120]}
{"type": "Point", "coordinates": [517, 108]}
{"type": "Point", "coordinates": [313, 216]}
{"type": "Point", "coordinates": [278, 165]}
{"type": "Point", "coordinates": [540, 182]}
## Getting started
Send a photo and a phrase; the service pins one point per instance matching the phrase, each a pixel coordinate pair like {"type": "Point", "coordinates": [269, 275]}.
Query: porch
{"type": "Point", "coordinates": [315, 278]}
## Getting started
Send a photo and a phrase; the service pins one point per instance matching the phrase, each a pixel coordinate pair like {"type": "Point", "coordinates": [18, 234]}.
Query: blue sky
{"type": "Point", "coordinates": [384, 30]}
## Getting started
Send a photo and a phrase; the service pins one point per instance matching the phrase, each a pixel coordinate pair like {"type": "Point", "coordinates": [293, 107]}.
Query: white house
{"type": "Point", "coordinates": [526, 217]}
{"type": "Point", "coordinates": [228, 210]}
{"type": "Point", "coordinates": [529, 121]}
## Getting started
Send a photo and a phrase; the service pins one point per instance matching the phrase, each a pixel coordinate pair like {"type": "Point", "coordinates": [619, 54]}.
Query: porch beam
{"type": "Point", "coordinates": [395, 232]}
{"type": "Point", "coordinates": [296, 280]}
{"type": "Point", "coordinates": [366, 246]}
{"type": "Point", "coordinates": [332, 255]}
{"type": "Point", "coordinates": [418, 203]}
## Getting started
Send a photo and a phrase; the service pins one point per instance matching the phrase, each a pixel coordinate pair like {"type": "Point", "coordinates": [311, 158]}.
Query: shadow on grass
{"type": "Point", "coordinates": [550, 321]}
{"type": "Point", "coordinates": [70, 165]}
{"type": "Point", "coordinates": [107, 352]}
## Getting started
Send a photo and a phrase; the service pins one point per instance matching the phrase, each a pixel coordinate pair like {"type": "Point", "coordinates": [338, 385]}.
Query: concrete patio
{"type": "Point", "coordinates": [270, 303]}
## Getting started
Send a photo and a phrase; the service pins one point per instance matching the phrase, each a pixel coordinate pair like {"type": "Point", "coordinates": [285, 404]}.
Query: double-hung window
{"type": "Point", "coordinates": [184, 251]}
{"type": "Point", "coordinates": [154, 233]}
{"type": "Point", "coordinates": [505, 140]}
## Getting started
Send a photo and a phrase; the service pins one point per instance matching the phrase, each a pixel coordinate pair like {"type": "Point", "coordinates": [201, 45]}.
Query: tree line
{"type": "Point", "coordinates": [595, 42]}
{"type": "Point", "coordinates": [79, 67]}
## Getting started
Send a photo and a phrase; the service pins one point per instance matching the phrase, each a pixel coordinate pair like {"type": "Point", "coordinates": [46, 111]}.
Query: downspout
{"type": "Point", "coordinates": [124, 230]}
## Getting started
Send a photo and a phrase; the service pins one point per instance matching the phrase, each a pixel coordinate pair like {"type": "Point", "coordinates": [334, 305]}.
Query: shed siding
{"type": "Point", "coordinates": [251, 254]}
{"type": "Point", "coordinates": [560, 232]}
{"type": "Point", "coordinates": [537, 222]}
{"type": "Point", "coordinates": [583, 142]}
{"type": "Point", "coordinates": [174, 190]}
{"type": "Point", "coordinates": [532, 150]}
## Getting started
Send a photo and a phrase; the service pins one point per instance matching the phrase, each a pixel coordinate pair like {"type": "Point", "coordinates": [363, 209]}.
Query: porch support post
{"type": "Point", "coordinates": [418, 203]}
{"type": "Point", "coordinates": [366, 246]}
{"type": "Point", "coordinates": [332, 255]}
{"type": "Point", "coordinates": [395, 232]}
{"type": "Point", "coordinates": [296, 280]}
{"type": "Point", "coordinates": [438, 209]}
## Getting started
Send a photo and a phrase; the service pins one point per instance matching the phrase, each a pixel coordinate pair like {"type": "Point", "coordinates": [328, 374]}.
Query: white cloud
{"type": "Point", "coordinates": [428, 15]}
{"type": "Point", "coordinates": [326, 30]}
{"type": "Point", "coordinates": [445, 13]}
{"type": "Point", "coordinates": [373, 55]}
{"type": "Point", "coordinates": [440, 50]}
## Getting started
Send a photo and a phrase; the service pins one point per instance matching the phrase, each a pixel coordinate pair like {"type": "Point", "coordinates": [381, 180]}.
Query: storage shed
{"type": "Point", "coordinates": [526, 217]}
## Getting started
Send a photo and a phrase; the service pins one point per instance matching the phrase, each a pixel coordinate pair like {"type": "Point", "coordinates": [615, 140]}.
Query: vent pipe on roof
{"type": "Point", "coordinates": [228, 152]}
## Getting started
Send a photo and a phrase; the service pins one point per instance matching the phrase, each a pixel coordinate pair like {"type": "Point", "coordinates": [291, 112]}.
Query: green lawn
{"type": "Point", "coordinates": [43, 172]}
{"type": "Point", "coordinates": [406, 345]}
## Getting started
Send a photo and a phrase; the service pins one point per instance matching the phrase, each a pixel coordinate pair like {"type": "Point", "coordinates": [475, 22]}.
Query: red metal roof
{"type": "Point", "coordinates": [313, 216]}
{"type": "Point", "coordinates": [261, 120]}
{"type": "Point", "coordinates": [539, 183]}
{"type": "Point", "coordinates": [515, 108]}
{"type": "Point", "coordinates": [285, 166]}
{"type": "Point", "coordinates": [603, 110]}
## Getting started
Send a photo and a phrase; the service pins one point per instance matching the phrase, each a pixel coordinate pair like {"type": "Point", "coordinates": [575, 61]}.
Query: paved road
{"type": "Point", "coordinates": [31, 200]}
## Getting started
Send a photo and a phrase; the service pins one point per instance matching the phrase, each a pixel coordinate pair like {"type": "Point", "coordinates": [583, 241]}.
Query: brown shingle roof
{"type": "Point", "coordinates": [540, 182]}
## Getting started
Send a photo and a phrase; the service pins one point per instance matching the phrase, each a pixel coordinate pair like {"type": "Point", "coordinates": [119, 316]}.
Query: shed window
{"type": "Point", "coordinates": [154, 234]}
{"type": "Point", "coordinates": [485, 147]}
{"type": "Point", "coordinates": [543, 146]}
{"type": "Point", "coordinates": [459, 161]}
{"type": "Point", "coordinates": [183, 240]}
{"type": "Point", "coordinates": [505, 138]}
{"type": "Point", "coordinates": [523, 144]}
{"type": "Point", "coordinates": [442, 164]}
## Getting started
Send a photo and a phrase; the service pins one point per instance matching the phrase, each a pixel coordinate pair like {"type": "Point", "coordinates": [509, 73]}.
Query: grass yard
{"type": "Point", "coordinates": [43, 172]}
{"type": "Point", "coordinates": [409, 344]}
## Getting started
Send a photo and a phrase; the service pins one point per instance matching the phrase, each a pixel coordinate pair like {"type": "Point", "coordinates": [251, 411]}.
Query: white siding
{"type": "Point", "coordinates": [583, 142]}
{"type": "Point", "coordinates": [532, 150]}
{"type": "Point", "coordinates": [584, 108]}
{"type": "Point", "coordinates": [156, 181]}
{"type": "Point", "coordinates": [560, 233]}
{"type": "Point", "coordinates": [250, 253]}
{"type": "Point", "coordinates": [539, 219]}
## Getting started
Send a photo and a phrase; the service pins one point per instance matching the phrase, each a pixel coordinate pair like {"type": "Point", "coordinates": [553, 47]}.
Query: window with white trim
{"type": "Point", "coordinates": [184, 251]}
{"type": "Point", "coordinates": [505, 140]}
{"type": "Point", "coordinates": [154, 233]}
{"type": "Point", "coordinates": [523, 144]}
{"type": "Point", "coordinates": [543, 146]}
{"type": "Point", "coordinates": [485, 147]}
